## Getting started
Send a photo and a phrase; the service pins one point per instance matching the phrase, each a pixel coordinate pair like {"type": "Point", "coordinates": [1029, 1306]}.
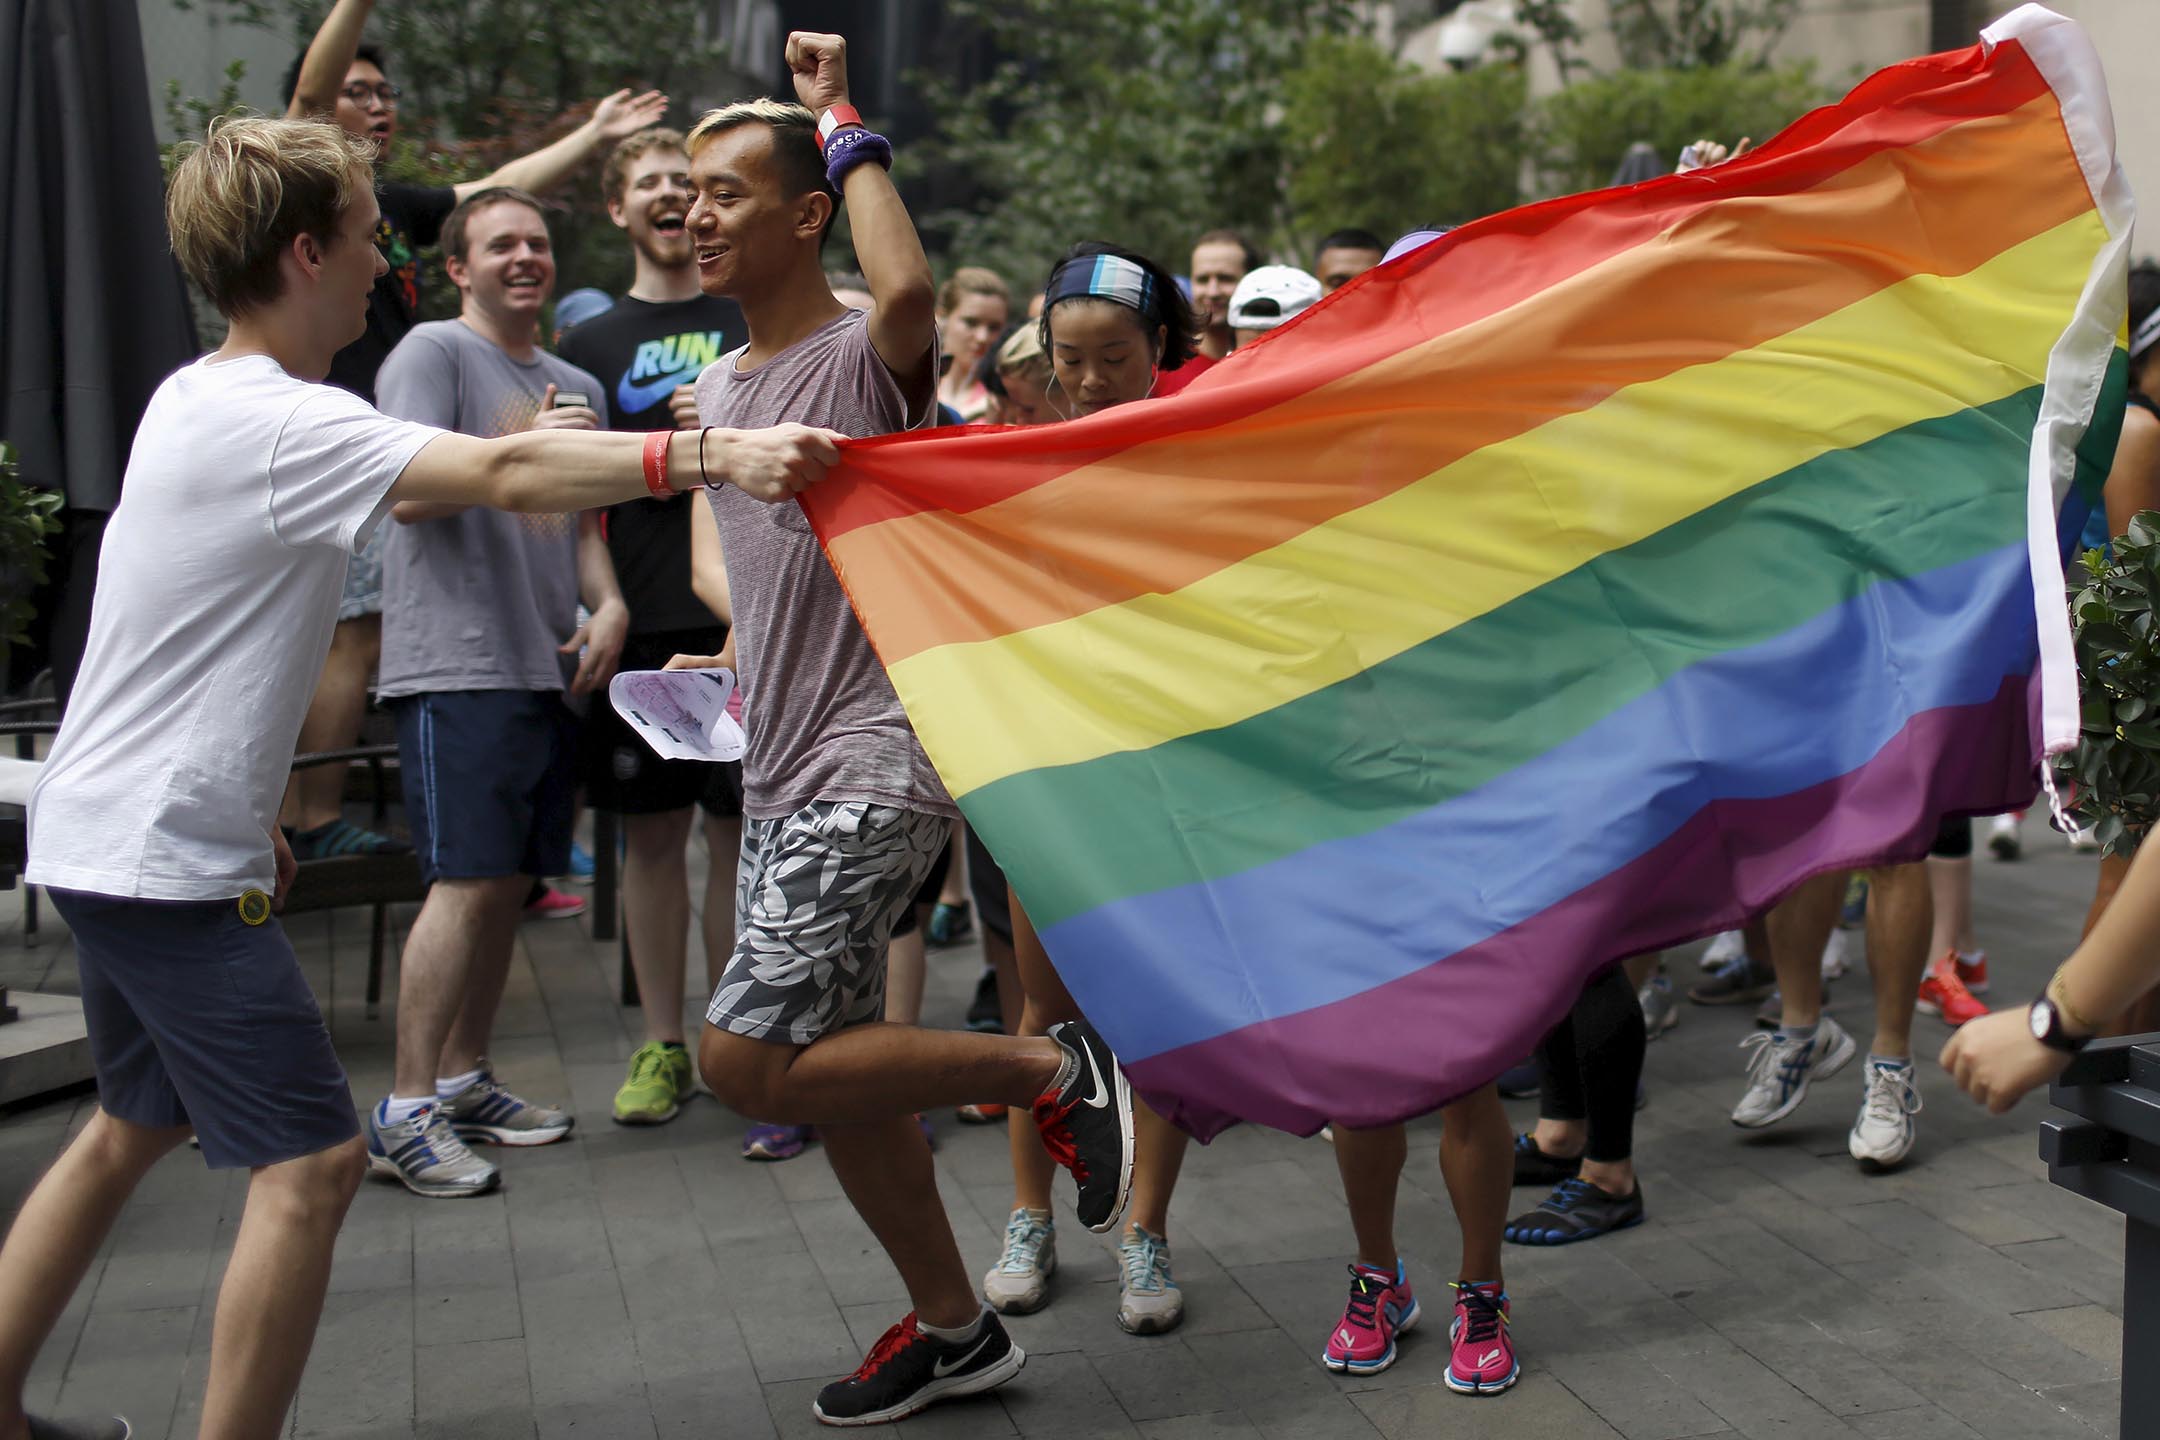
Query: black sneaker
{"type": "Point", "coordinates": [907, 1370]}
{"type": "Point", "coordinates": [112, 1427]}
{"type": "Point", "coordinates": [1535, 1167]}
{"type": "Point", "coordinates": [1087, 1126]}
{"type": "Point", "coordinates": [1576, 1210]}
{"type": "Point", "coordinates": [986, 1013]}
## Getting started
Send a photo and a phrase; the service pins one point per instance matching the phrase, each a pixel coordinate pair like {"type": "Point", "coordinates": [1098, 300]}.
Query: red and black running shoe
{"type": "Point", "coordinates": [1087, 1125]}
{"type": "Point", "coordinates": [907, 1370]}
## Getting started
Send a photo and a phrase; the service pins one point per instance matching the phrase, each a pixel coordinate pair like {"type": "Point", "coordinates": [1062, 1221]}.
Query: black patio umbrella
{"type": "Point", "coordinates": [93, 313]}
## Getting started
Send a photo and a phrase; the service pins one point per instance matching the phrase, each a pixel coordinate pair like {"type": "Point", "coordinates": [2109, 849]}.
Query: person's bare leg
{"type": "Point", "coordinates": [56, 1234]}
{"type": "Point", "coordinates": [272, 1294]}
{"type": "Point", "coordinates": [1477, 1162]}
{"type": "Point", "coordinates": [865, 1073]}
{"type": "Point", "coordinates": [1371, 1165]}
{"type": "Point", "coordinates": [437, 967]}
{"type": "Point", "coordinates": [316, 796]}
{"type": "Point", "coordinates": [1045, 1002]}
{"type": "Point", "coordinates": [1562, 1138]}
{"type": "Point", "coordinates": [1797, 930]}
{"type": "Point", "coordinates": [906, 967]}
{"type": "Point", "coordinates": [1898, 921]}
{"type": "Point", "coordinates": [723, 846]}
{"type": "Point", "coordinates": [656, 915]}
{"type": "Point", "coordinates": [885, 1168]}
{"type": "Point", "coordinates": [955, 889]}
{"type": "Point", "coordinates": [1158, 1154]}
{"type": "Point", "coordinates": [1641, 967]}
{"type": "Point", "coordinates": [467, 1043]}
{"type": "Point", "coordinates": [1950, 888]}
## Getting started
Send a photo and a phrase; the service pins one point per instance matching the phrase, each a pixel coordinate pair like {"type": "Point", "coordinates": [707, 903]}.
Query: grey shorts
{"type": "Point", "coordinates": [816, 898]}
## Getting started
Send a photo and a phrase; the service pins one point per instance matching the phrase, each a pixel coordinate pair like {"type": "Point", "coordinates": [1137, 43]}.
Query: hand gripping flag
{"type": "Point", "coordinates": [1573, 586]}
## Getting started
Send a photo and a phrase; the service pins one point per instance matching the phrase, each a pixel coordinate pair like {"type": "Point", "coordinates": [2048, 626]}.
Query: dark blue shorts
{"type": "Point", "coordinates": [199, 1018]}
{"type": "Point", "coordinates": [490, 776]}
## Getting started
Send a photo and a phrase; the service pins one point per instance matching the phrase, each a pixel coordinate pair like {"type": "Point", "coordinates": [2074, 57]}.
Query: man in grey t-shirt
{"type": "Point", "coordinates": [842, 812]}
{"type": "Point", "coordinates": [479, 634]}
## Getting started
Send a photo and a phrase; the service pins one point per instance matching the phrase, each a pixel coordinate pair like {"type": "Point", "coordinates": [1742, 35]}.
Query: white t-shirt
{"type": "Point", "coordinates": [246, 493]}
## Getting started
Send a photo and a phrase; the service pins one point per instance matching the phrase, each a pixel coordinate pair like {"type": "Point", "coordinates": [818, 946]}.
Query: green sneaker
{"type": "Point", "coordinates": [660, 1080]}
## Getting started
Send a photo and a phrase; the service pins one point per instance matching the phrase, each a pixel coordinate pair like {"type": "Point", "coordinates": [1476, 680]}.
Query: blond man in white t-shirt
{"type": "Point", "coordinates": [153, 823]}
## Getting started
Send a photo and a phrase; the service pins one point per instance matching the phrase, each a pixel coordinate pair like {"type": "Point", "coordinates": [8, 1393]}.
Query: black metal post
{"type": "Point", "coordinates": [2111, 1153]}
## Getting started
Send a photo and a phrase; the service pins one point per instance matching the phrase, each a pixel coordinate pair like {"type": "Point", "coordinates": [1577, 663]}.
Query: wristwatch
{"type": "Point", "coordinates": [2051, 1030]}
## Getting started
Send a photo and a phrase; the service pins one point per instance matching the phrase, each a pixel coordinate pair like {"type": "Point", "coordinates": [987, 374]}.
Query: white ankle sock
{"type": "Point", "coordinates": [447, 1086]}
{"type": "Point", "coordinates": [965, 1332]}
{"type": "Point", "coordinates": [396, 1109]}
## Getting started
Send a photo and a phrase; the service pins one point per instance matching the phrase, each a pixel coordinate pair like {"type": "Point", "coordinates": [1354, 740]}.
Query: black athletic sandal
{"type": "Point", "coordinates": [1534, 1167]}
{"type": "Point", "coordinates": [1576, 1210]}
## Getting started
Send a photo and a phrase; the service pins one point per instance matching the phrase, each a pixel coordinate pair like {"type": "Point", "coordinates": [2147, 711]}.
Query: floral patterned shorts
{"type": "Point", "coordinates": [816, 898]}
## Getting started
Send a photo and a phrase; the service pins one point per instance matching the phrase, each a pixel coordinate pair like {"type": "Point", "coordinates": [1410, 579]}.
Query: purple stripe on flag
{"type": "Point", "coordinates": [1413, 1044]}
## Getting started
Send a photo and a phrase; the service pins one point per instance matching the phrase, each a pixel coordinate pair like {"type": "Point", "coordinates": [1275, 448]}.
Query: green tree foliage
{"type": "Point", "coordinates": [1373, 142]}
{"type": "Point", "coordinates": [2112, 780]}
{"type": "Point", "coordinates": [485, 81]}
{"type": "Point", "coordinates": [1143, 122]}
{"type": "Point", "coordinates": [29, 516]}
{"type": "Point", "coordinates": [1681, 34]}
{"type": "Point", "coordinates": [1585, 128]}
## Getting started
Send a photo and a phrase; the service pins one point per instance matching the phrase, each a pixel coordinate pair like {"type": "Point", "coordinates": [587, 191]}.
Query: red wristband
{"type": "Point", "coordinates": [656, 458]}
{"type": "Point", "coordinates": [839, 117]}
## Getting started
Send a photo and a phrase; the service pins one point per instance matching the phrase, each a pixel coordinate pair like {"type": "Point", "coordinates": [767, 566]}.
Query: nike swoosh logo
{"type": "Point", "coordinates": [633, 398]}
{"type": "Point", "coordinates": [1490, 1357]}
{"type": "Point", "coordinates": [1101, 1098]}
{"type": "Point", "coordinates": [946, 1367]}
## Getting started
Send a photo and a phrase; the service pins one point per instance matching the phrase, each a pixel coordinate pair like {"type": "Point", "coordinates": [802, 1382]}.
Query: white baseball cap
{"type": "Point", "coordinates": [1270, 295]}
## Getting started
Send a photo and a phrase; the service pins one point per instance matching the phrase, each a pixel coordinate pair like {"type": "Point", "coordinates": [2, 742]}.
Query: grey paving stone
{"type": "Point", "coordinates": [1924, 1422]}
{"type": "Point", "coordinates": [361, 1372]}
{"type": "Point", "coordinates": [972, 1417]}
{"type": "Point", "coordinates": [578, 1342]}
{"type": "Point", "coordinates": [2091, 1331]}
{"type": "Point", "coordinates": [2096, 1404]}
{"type": "Point", "coordinates": [129, 1362]}
{"type": "Point", "coordinates": [476, 1388]}
{"type": "Point", "coordinates": [2096, 1276]}
{"type": "Point", "coordinates": [1218, 1425]}
{"type": "Point", "coordinates": [1538, 1408]}
{"type": "Point", "coordinates": [1061, 1397]}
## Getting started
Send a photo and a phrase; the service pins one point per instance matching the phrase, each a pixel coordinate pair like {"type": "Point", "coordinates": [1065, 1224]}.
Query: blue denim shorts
{"type": "Point", "coordinates": [199, 1018]}
{"type": "Point", "coordinates": [490, 780]}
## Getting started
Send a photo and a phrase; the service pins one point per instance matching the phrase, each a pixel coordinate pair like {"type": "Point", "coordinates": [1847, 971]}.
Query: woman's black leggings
{"type": "Point", "coordinates": [1591, 1062]}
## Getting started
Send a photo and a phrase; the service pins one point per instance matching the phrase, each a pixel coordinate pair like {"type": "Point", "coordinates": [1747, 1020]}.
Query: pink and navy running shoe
{"type": "Point", "coordinates": [1380, 1308]}
{"type": "Point", "coordinates": [1483, 1358]}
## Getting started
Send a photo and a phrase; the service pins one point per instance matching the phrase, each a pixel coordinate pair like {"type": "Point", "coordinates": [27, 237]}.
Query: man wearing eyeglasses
{"type": "Point", "coordinates": [340, 78]}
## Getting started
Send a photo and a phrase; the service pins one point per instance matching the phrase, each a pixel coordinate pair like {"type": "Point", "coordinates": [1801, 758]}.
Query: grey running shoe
{"type": "Point", "coordinates": [426, 1155]}
{"type": "Point", "coordinates": [485, 1113]}
{"type": "Point", "coordinates": [1019, 1284]}
{"type": "Point", "coordinates": [1783, 1067]}
{"type": "Point", "coordinates": [1884, 1134]}
{"type": "Point", "coordinates": [1149, 1301]}
{"type": "Point", "coordinates": [112, 1427]}
{"type": "Point", "coordinates": [1660, 1006]}
{"type": "Point", "coordinates": [1737, 981]}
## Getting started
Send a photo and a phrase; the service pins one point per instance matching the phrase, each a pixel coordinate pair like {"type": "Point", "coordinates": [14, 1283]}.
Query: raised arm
{"type": "Point", "coordinates": [329, 56]}
{"type": "Point", "coordinates": [617, 117]}
{"type": "Point", "coordinates": [555, 471]}
{"type": "Point", "coordinates": [903, 313]}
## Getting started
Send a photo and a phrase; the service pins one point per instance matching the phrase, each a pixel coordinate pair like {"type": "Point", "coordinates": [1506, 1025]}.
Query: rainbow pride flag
{"type": "Point", "coordinates": [1571, 587]}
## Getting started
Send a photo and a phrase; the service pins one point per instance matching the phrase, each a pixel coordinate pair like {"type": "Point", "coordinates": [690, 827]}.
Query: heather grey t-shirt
{"type": "Point", "coordinates": [482, 599]}
{"type": "Point", "coordinates": [822, 720]}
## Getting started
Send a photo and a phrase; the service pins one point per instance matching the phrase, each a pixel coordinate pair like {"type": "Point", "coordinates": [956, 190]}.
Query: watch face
{"type": "Point", "coordinates": [2040, 1017]}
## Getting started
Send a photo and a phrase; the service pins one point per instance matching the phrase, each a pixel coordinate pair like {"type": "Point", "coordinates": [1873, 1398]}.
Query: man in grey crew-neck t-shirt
{"type": "Point", "coordinates": [484, 599]}
{"type": "Point", "coordinates": [821, 717]}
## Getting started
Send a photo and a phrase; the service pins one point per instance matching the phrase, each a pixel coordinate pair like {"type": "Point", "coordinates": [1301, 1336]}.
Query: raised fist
{"type": "Point", "coordinates": [819, 65]}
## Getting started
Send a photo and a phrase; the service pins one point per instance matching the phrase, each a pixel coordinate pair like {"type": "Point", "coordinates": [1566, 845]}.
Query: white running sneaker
{"type": "Point", "coordinates": [1660, 1006]}
{"type": "Point", "coordinates": [1782, 1068]}
{"type": "Point", "coordinates": [1019, 1284]}
{"type": "Point", "coordinates": [1724, 947]}
{"type": "Point", "coordinates": [1833, 956]}
{"type": "Point", "coordinates": [1149, 1301]}
{"type": "Point", "coordinates": [2004, 839]}
{"type": "Point", "coordinates": [1883, 1135]}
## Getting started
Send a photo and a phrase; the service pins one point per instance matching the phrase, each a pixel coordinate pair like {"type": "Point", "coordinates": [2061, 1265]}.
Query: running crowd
{"type": "Point", "coordinates": [487, 522]}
